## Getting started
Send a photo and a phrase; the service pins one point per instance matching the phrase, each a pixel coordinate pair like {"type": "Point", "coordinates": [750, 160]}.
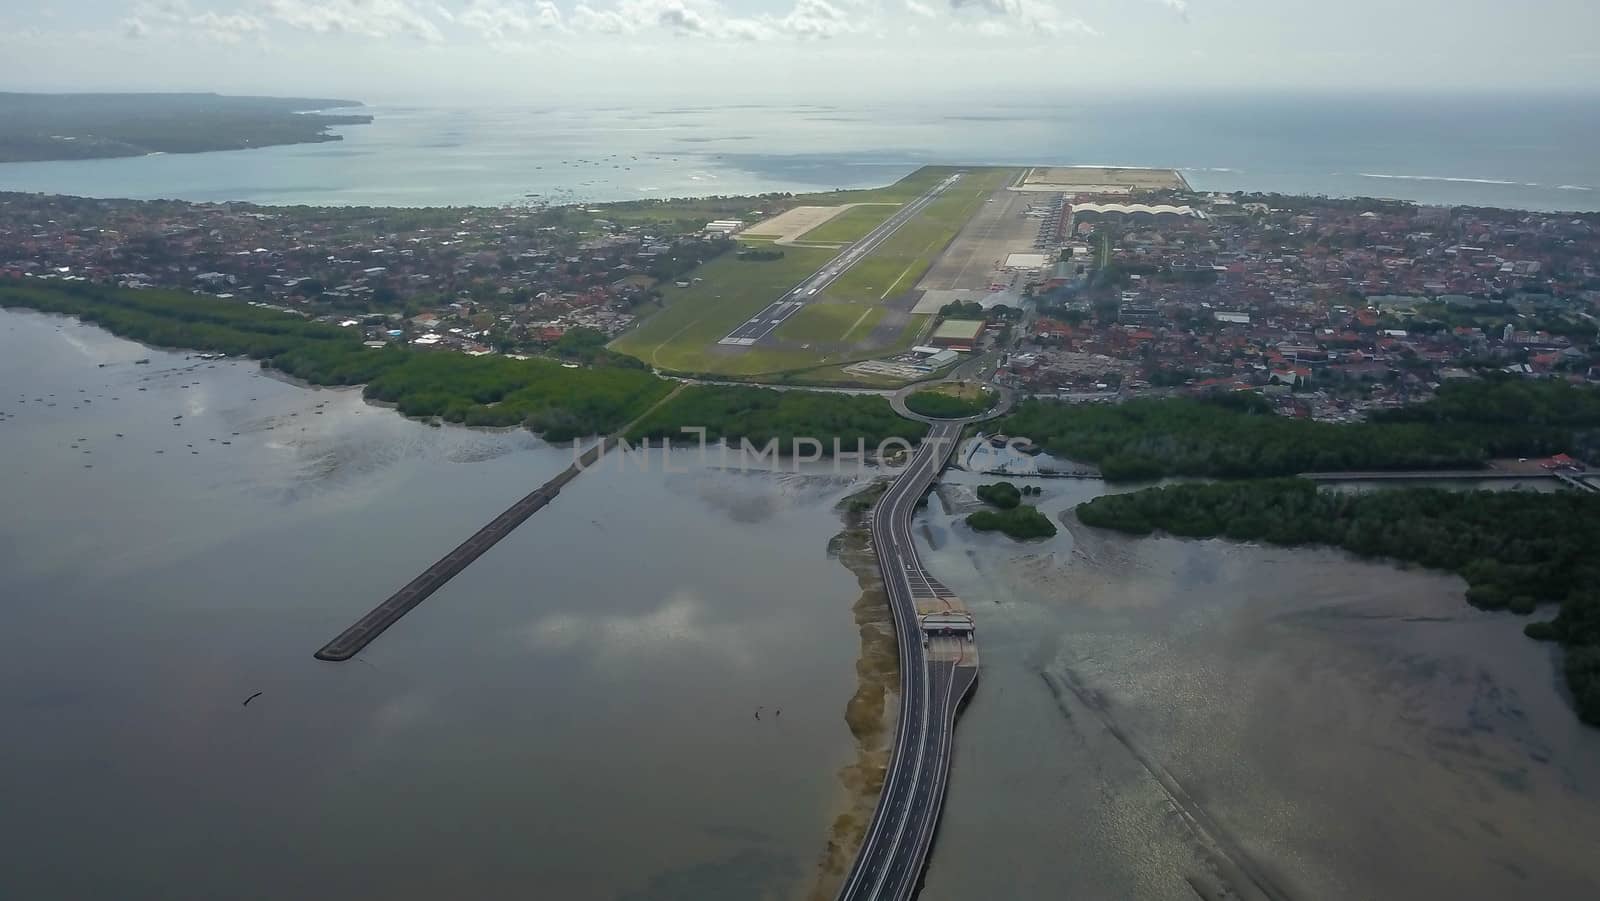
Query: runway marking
{"type": "Point", "coordinates": [913, 265]}
{"type": "Point", "coordinates": [853, 253]}
{"type": "Point", "coordinates": [865, 313]}
{"type": "Point", "coordinates": [654, 361]}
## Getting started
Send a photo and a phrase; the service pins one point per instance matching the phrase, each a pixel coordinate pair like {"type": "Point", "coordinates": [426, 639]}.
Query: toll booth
{"type": "Point", "coordinates": [952, 625]}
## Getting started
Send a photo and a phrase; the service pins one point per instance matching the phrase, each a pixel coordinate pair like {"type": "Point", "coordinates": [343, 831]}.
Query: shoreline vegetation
{"type": "Point", "coordinates": [734, 412]}
{"type": "Point", "coordinates": [1016, 519]}
{"type": "Point", "coordinates": [46, 127]}
{"type": "Point", "coordinates": [1239, 436]}
{"type": "Point", "coordinates": [1516, 550]}
{"type": "Point", "coordinates": [539, 394]}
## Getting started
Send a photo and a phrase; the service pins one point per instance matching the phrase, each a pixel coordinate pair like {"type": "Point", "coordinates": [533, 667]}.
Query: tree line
{"type": "Point", "coordinates": [1505, 400]}
{"type": "Point", "coordinates": [541, 395]}
{"type": "Point", "coordinates": [733, 412]}
{"type": "Point", "coordinates": [1238, 435]}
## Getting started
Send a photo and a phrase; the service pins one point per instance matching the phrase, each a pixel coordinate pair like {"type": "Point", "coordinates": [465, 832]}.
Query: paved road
{"type": "Point", "coordinates": [777, 312]}
{"type": "Point", "coordinates": [933, 682]}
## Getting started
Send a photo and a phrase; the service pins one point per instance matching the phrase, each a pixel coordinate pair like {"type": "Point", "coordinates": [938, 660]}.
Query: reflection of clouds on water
{"type": "Point", "coordinates": [1252, 686]}
{"type": "Point", "coordinates": [749, 507]}
{"type": "Point", "coordinates": [758, 494]}
{"type": "Point", "coordinates": [329, 446]}
{"type": "Point", "coordinates": [748, 873]}
{"type": "Point", "coordinates": [679, 625]}
{"type": "Point", "coordinates": [402, 712]}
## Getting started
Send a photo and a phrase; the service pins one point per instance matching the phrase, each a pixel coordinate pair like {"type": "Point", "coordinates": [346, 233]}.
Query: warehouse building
{"type": "Point", "coordinates": [957, 334]}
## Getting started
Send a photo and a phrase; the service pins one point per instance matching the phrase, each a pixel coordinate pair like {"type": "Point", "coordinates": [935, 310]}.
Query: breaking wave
{"type": "Point", "coordinates": [1470, 181]}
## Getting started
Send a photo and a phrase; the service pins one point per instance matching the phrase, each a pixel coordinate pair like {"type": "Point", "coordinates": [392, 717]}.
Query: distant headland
{"type": "Point", "coordinates": [36, 127]}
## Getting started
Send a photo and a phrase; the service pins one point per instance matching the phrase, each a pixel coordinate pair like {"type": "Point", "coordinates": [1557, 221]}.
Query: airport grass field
{"type": "Point", "coordinates": [851, 225]}
{"type": "Point", "coordinates": [898, 264]}
{"type": "Point", "coordinates": [830, 322]}
{"type": "Point", "coordinates": [849, 321]}
{"type": "Point", "coordinates": [683, 336]}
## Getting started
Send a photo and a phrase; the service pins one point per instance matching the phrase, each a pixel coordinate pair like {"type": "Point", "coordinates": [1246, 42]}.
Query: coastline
{"type": "Point", "coordinates": [405, 165]}
{"type": "Point", "coordinates": [77, 127]}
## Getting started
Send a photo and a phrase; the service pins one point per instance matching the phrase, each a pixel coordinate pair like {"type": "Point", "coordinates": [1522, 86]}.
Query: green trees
{"type": "Point", "coordinates": [1013, 518]}
{"type": "Point", "coordinates": [942, 402]}
{"type": "Point", "coordinates": [970, 309]}
{"type": "Point", "coordinates": [580, 344]}
{"type": "Point", "coordinates": [558, 402]}
{"type": "Point", "coordinates": [1237, 436]}
{"type": "Point", "coordinates": [1505, 400]}
{"type": "Point", "coordinates": [481, 391]}
{"type": "Point", "coordinates": [1515, 549]}
{"type": "Point", "coordinates": [1001, 494]}
{"type": "Point", "coordinates": [759, 414]}
{"type": "Point", "coordinates": [1021, 523]}
{"type": "Point", "coordinates": [760, 255]}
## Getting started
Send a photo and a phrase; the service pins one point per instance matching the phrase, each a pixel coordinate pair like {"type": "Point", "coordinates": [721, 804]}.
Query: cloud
{"type": "Point", "coordinates": [168, 18]}
{"type": "Point", "coordinates": [498, 20]}
{"type": "Point", "coordinates": [229, 29]}
{"type": "Point", "coordinates": [674, 16]}
{"type": "Point", "coordinates": [817, 19]}
{"type": "Point", "coordinates": [369, 18]}
{"type": "Point", "coordinates": [599, 21]}
{"type": "Point", "coordinates": [1027, 16]}
{"type": "Point", "coordinates": [510, 24]}
{"type": "Point", "coordinates": [806, 20]}
{"type": "Point", "coordinates": [1181, 7]}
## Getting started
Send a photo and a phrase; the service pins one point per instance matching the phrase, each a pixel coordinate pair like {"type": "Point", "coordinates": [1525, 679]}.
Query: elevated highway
{"type": "Point", "coordinates": [936, 674]}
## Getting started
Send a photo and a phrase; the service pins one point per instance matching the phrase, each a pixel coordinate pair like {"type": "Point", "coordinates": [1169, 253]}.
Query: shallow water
{"type": "Point", "coordinates": [1334, 728]}
{"type": "Point", "coordinates": [1431, 149]}
{"type": "Point", "coordinates": [571, 717]}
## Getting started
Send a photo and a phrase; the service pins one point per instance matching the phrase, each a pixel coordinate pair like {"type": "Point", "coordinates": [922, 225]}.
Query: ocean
{"type": "Point", "coordinates": [1526, 152]}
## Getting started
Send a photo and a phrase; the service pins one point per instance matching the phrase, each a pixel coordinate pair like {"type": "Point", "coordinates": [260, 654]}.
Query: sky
{"type": "Point", "coordinates": [540, 51]}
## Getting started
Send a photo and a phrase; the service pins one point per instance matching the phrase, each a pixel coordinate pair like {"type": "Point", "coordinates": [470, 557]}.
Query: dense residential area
{"type": "Point", "coordinates": [1334, 306]}
{"type": "Point", "coordinates": [1331, 308]}
{"type": "Point", "coordinates": [476, 280]}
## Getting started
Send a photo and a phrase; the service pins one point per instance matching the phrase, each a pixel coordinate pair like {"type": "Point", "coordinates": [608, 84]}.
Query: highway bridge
{"type": "Point", "coordinates": [936, 674]}
{"type": "Point", "coordinates": [777, 312]}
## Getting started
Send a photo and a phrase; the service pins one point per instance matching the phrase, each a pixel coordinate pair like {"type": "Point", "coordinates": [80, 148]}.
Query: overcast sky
{"type": "Point", "coordinates": [545, 50]}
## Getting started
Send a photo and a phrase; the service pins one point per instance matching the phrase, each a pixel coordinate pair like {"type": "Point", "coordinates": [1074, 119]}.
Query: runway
{"type": "Point", "coordinates": [777, 312]}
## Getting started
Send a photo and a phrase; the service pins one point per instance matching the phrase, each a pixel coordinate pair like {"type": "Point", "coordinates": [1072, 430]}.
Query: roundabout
{"type": "Point", "coordinates": [952, 400]}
